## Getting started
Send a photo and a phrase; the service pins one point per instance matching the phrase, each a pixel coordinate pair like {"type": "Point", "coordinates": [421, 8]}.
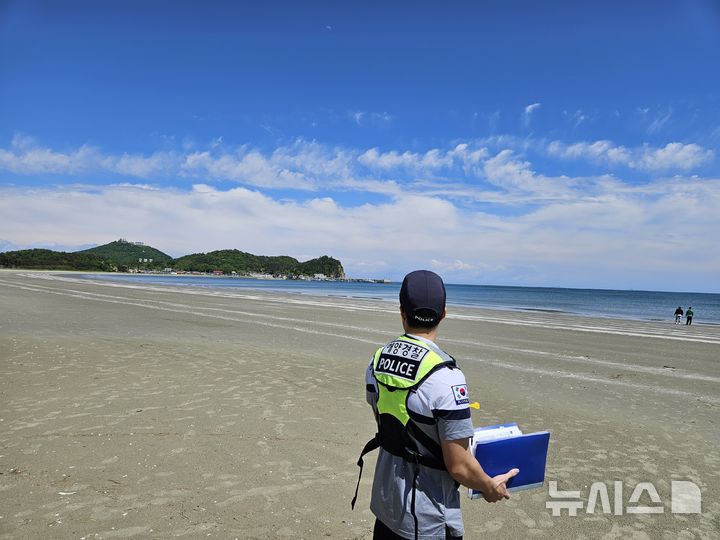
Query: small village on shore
{"type": "Point", "coordinates": [255, 275]}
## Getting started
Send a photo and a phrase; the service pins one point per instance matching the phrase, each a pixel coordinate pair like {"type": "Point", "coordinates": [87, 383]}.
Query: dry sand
{"type": "Point", "coordinates": [156, 412]}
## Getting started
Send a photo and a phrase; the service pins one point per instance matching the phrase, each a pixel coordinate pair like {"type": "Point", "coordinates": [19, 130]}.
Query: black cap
{"type": "Point", "coordinates": [422, 298]}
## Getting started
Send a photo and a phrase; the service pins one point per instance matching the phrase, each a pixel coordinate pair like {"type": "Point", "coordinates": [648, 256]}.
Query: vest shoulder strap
{"type": "Point", "coordinates": [372, 444]}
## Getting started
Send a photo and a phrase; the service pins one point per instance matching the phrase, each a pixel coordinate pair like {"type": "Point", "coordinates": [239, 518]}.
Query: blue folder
{"type": "Point", "coordinates": [525, 452]}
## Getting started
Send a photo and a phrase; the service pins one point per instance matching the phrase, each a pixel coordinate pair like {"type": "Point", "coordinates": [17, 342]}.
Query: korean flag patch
{"type": "Point", "coordinates": [460, 393]}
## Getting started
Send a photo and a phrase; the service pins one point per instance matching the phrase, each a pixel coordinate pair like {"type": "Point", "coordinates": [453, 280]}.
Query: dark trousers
{"type": "Point", "coordinates": [688, 320]}
{"type": "Point", "coordinates": [382, 532]}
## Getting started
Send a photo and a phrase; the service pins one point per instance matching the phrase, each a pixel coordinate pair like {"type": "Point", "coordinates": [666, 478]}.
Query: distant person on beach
{"type": "Point", "coordinates": [689, 315]}
{"type": "Point", "coordinates": [678, 315]}
{"type": "Point", "coordinates": [421, 405]}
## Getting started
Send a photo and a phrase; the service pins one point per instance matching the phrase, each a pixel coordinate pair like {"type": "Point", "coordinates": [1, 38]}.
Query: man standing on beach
{"type": "Point", "coordinates": [420, 400]}
{"type": "Point", "coordinates": [689, 315]}
{"type": "Point", "coordinates": [678, 315]}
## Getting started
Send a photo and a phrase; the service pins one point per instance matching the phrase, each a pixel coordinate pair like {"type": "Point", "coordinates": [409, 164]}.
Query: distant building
{"type": "Point", "coordinates": [126, 241]}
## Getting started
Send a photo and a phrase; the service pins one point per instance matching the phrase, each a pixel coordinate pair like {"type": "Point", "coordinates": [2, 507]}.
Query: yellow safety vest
{"type": "Point", "coordinates": [400, 367]}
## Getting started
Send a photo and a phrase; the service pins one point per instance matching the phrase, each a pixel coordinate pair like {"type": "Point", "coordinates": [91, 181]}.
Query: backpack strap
{"type": "Point", "coordinates": [371, 445]}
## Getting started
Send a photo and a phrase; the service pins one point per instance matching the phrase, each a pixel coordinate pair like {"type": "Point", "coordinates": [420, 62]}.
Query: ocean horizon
{"type": "Point", "coordinates": [605, 303]}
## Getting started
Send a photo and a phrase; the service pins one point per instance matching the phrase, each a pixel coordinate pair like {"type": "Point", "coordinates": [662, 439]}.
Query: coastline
{"type": "Point", "coordinates": [523, 299]}
{"type": "Point", "coordinates": [149, 411]}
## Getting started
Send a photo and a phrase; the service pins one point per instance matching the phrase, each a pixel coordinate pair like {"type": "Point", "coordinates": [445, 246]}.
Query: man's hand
{"type": "Point", "coordinates": [498, 488]}
{"type": "Point", "coordinates": [466, 470]}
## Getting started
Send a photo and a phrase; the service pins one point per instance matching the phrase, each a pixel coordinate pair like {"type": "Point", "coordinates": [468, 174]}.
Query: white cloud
{"type": "Point", "coordinates": [673, 156]}
{"type": "Point", "coordinates": [431, 161]}
{"type": "Point", "coordinates": [444, 267]}
{"type": "Point", "coordinates": [301, 165]}
{"type": "Point", "coordinates": [660, 121]}
{"type": "Point", "coordinates": [250, 167]}
{"type": "Point", "coordinates": [529, 110]}
{"type": "Point", "coordinates": [205, 218]}
{"type": "Point", "coordinates": [578, 117]}
{"type": "Point", "coordinates": [358, 116]}
{"type": "Point", "coordinates": [466, 171]}
{"type": "Point", "coordinates": [505, 170]}
{"type": "Point", "coordinates": [532, 107]}
{"type": "Point", "coordinates": [140, 166]}
{"type": "Point", "coordinates": [315, 160]}
{"type": "Point", "coordinates": [25, 157]}
{"type": "Point", "coordinates": [596, 151]}
{"type": "Point", "coordinates": [476, 210]}
{"type": "Point", "coordinates": [363, 118]}
{"type": "Point", "coordinates": [313, 166]}
{"type": "Point", "coordinates": [620, 236]}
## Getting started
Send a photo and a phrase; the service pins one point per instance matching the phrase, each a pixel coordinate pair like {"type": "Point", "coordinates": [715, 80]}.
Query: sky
{"type": "Point", "coordinates": [554, 143]}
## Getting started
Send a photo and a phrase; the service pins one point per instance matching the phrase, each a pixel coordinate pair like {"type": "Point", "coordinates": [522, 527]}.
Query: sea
{"type": "Point", "coordinates": [617, 304]}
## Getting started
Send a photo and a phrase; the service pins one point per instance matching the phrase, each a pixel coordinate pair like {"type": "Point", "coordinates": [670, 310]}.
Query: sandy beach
{"type": "Point", "coordinates": [159, 412]}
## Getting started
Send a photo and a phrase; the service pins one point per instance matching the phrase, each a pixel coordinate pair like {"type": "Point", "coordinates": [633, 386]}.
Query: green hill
{"type": "Point", "coordinates": [233, 260]}
{"type": "Point", "coordinates": [122, 255]}
{"type": "Point", "coordinates": [46, 259]}
{"type": "Point", "coordinates": [131, 255]}
{"type": "Point", "coordinates": [322, 265]}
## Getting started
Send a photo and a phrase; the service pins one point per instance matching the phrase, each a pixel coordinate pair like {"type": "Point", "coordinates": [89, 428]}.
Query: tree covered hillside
{"type": "Point", "coordinates": [46, 259]}
{"type": "Point", "coordinates": [131, 254]}
{"type": "Point", "coordinates": [322, 265]}
{"type": "Point", "coordinates": [122, 255]}
{"type": "Point", "coordinates": [233, 260]}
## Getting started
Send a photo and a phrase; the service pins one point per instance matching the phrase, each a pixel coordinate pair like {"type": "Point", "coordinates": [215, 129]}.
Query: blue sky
{"type": "Point", "coordinates": [525, 143]}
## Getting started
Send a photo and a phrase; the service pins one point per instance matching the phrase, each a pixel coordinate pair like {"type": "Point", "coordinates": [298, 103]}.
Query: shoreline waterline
{"type": "Point", "coordinates": [602, 303]}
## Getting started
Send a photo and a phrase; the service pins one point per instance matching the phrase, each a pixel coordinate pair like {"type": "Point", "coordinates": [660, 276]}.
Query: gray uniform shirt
{"type": "Point", "coordinates": [442, 399]}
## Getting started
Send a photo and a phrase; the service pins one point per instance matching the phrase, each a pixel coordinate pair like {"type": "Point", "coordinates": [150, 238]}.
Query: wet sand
{"type": "Point", "coordinates": [160, 412]}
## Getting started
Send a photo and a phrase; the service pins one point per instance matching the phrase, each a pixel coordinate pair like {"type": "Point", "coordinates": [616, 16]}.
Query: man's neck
{"type": "Point", "coordinates": [424, 333]}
